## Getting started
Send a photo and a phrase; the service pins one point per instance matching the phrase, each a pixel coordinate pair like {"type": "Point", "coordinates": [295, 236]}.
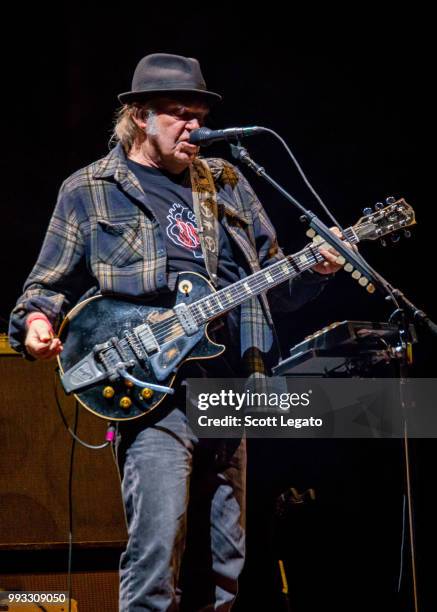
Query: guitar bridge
{"type": "Point", "coordinates": [103, 362]}
{"type": "Point", "coordinates": [112, 356]}
{"type": "Point", "coordinates": [135, 345]}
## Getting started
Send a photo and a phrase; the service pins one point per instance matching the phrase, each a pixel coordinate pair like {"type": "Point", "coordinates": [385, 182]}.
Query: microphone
{"type": "Point", "coordinates": [204, 136]}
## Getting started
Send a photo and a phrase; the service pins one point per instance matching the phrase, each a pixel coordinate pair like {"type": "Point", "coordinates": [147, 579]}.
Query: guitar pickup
{"type": "Point", "coordinates": [147, 340]}
{"type": "Point", "coordinates": [186, 319]}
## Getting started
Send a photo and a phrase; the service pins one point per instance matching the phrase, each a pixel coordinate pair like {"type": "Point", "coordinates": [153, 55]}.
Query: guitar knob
{"type": "Point", "coordinates": [108, 392]}
{"type": "Point", "coordinates": [128, 383]}
{"type": "Point", "coordinates": [367, 211]}
{"type": "Point", "coordinates": [146, 393]}
{"type": "Point", "coordinates": [379, 205]}
{"type": "Point", "coordinates": [407, 233]}
{"type": "Point", "coordinates": [125, 402]}
{"type": "Point", "coordinates": [383, 242]}
{"type": "Point", "coordinates": [390, 200]}
{"type": "Point", "coordinates": [185, 287]}
{"type": "Point", "coordinates": [394, 238]}
{"type": "Point", "coordinates": [310, 233]}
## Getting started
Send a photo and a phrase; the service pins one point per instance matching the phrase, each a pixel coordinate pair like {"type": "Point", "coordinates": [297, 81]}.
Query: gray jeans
{"type": "Point", "coordinates": [184, 500]}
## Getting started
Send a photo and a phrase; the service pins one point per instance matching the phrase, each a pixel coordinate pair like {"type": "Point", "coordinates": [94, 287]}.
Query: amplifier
{"type": "Point", "coordinates": [34, 464]}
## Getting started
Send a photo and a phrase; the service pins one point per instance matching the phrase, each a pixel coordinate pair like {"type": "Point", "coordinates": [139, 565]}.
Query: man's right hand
{"type": "Point", "coordinates": [40, 342]}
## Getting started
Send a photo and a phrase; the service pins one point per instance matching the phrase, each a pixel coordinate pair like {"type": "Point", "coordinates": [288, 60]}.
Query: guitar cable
{"type": "Point", "coordinates": [70, 506]}
{"type": "Point", "coordinates": [110, 437]}
{"type": "Point", "coordinates": [110, 432]}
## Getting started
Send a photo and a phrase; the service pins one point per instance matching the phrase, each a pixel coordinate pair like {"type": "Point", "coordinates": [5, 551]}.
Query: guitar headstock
{"type": "Point", "coordinates": [384, 220]}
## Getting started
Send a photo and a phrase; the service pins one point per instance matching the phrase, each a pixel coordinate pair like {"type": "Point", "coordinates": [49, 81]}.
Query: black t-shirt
{"type": "Point", "coordinates": [171, 201]}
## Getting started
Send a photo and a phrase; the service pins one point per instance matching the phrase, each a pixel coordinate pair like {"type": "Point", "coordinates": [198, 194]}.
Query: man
{"type": "Point", "coordinates": [126, 225]}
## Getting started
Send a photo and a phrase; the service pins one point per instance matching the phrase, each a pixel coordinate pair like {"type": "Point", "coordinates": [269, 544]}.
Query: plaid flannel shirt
{"type": "Point", "coordinates": [103, 238]}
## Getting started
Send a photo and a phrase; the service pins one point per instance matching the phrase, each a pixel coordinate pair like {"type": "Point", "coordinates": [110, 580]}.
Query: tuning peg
{"type": "Point", "coordinates": [395, 238]}
{"type": "Point", "coordinates": [310, 233]}
{"type": "Point", "coordinates": [363, 281]}
{"type": "Point", "coordinates": [340, 260]}
{"type": "Point", "coordinates": [379, 205]}
{"type": "Point", "coordinates": [349, 267]}
{"type": "Point", "coordinates": [407, 233]}
{"type": "Point", "coordinates": [383, 242]}
{"type": "Point", "coordinates": [367, 211]}
{"type": "Point", "coordinates": [370, 288]}
{"type": "Point", "coordinates": [356, 274]}
{"type": "Point", "coordinates": [390, 200]}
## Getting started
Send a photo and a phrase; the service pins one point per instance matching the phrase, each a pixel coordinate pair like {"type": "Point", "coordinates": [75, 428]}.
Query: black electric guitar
{"type": "Point", "coordinates": [121, 356]}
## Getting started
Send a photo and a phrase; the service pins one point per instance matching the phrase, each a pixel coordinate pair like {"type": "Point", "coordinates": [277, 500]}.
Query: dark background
{"type": "Point", "coordinates": [354, 111]}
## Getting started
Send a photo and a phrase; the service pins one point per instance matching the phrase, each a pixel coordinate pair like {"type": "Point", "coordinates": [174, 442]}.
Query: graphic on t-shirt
{"type": "Point", "coordinates": [182, 229]}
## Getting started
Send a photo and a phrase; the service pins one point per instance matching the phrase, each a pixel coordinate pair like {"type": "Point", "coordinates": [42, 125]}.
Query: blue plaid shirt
{"type": "Point", "coordinates": [103, 238]}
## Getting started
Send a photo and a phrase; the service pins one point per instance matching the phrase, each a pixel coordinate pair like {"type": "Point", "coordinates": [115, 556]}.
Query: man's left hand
{"type": "Point", "coordinates": [330, 265]}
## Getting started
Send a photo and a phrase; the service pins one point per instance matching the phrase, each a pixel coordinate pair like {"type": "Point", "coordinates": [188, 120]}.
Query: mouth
{"type": "Point", "coordinates": [187, 144]}
{"type": "Point", "coordinates": [186, 149]}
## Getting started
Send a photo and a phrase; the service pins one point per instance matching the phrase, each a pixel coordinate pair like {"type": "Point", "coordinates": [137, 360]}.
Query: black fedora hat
{"type": "Point", "coordinates": [163, 73]}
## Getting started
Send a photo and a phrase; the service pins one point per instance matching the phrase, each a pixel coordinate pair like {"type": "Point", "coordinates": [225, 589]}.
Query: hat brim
{"type": "Point", "coordinates": [139, 96]}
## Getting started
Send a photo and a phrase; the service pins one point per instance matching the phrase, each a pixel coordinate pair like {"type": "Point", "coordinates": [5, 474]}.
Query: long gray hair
{"type": "Point", "coordinates": [126, 130]}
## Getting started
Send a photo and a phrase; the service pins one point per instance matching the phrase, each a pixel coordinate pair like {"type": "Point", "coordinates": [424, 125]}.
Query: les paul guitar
{"type": "Point", "coordinates": [121, 356]}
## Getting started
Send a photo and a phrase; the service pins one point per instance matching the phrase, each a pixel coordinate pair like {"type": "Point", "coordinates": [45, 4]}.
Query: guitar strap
{"type": "Point", "coordinates": [206, 211]}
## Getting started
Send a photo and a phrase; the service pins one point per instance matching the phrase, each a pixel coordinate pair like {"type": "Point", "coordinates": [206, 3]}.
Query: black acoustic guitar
{"type": "Point", "coordinates": [121, 356]}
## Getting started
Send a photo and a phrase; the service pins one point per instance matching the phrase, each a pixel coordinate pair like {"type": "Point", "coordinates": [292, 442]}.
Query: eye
{"type": "Point", "coordinates": [180, 111]}
{"type": "Point", "coordinates": [184, 114]}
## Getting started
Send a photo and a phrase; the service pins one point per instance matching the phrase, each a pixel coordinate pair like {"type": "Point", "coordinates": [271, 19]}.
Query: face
{"type": "Point", "coordinates": [167, 132]}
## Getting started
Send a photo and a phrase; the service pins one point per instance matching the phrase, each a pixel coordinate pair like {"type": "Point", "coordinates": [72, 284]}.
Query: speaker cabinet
{"type": "Point", "coordinates": [34, 465]}
{"type": "Point", "coordinates": [92, 590]}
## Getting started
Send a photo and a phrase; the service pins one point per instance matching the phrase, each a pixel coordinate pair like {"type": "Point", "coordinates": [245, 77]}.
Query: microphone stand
{"type": "Point", "coordinates": [318, 226]}
{"type": "Point", "coordinates": [417, 315]}
{"type": "Point", "coordinates": [405, 355]}
{"type": "Point", "coordinates": [402, 351]}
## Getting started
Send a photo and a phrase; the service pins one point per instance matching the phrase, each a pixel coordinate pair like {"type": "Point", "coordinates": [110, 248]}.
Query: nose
{"type": "Point", "coordinates": [193, 124]}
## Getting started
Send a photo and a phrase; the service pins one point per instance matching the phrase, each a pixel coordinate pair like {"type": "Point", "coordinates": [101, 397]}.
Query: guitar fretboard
{"type": "Point", "coordinates": [226, 299]}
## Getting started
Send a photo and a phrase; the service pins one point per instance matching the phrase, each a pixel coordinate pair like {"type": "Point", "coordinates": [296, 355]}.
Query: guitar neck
{"type": "Point", "coordinates": [220, 302]}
